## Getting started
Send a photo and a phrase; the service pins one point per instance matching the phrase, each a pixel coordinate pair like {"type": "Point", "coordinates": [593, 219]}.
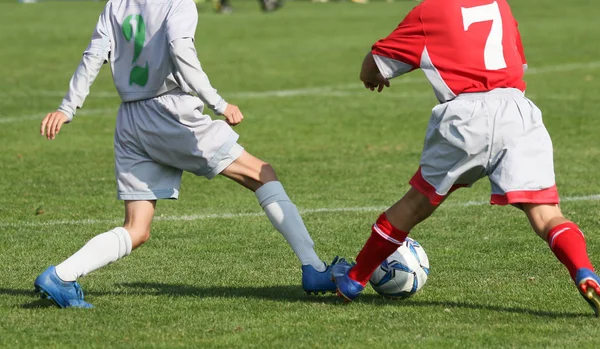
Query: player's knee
{"type": "Point", "coordinates": [250, 172]}
{"type": "Point", "coordinates": [138, 235]}
{"type": "Point", "coordinates": [260, 172]}
{"type": "Point", "coordinates": [266, 174]}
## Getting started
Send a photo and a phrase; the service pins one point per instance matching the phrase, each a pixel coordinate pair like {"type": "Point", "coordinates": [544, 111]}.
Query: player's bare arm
{"type": "Point", "coordinates": [370, 75]}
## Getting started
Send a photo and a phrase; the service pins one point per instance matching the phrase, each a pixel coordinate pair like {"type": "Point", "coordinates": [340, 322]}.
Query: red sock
{"type": "Point", "coordinates": [568, 244]}
{"type": "Point", "coordinates": [384, 240]}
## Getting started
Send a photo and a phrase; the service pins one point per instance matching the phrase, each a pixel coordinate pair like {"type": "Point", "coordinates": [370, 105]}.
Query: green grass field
{"type": "Point", "coordinates": [215, 274]}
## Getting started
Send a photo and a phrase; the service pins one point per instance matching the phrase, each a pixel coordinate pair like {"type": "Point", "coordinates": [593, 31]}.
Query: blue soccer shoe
{"type": "Point", "coordinates": [346, 287]}
{"type": "Point", "coordinates": [62, 293]}
{"type": "Point", "coordinates": [316, 282]}
{"type": "Point", "coordinates": [588, 284]}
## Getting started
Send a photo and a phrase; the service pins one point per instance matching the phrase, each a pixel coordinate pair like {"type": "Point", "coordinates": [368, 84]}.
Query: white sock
{"type": "Point", "coordinates": [284, 216]}
{"type": "Point", "coordinates": [101, 250]}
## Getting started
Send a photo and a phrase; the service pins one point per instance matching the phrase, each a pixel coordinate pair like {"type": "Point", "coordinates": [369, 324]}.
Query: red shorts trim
{"type": "Point", "coordinates": [419, 183]}
{"type": "Point", "coordinates": [542, 196]}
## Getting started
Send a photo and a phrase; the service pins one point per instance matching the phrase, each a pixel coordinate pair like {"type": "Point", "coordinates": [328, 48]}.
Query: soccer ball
{"type": "Point", "coordinates": [403, 273]}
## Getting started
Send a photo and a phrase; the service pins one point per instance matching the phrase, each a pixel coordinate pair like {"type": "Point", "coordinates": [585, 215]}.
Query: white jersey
{"type": "Point", "coordinates": [134, 36]}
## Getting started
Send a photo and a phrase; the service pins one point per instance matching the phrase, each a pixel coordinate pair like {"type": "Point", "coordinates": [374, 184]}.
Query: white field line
{"type": "Point", "coordinates": [341, 90]}
{"type": "Point", "coordinates": [395, 95]}
{"type": "Point", "coordinates": [40, 116]}
{"type": "Point", "coordinates": [199, 217]}
{"type": "Point", "coordinates": [335, 89]}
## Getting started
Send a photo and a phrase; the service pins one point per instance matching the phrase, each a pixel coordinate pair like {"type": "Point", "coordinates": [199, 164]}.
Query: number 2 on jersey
{"type": "Point", "coordinates": [135, 28]}
{"type": "Point", "coordinates": [493, 52]}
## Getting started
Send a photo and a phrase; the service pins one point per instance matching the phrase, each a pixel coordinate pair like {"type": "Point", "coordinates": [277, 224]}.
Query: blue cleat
{"type": "Point", "coordinates": [64, 294]}
{"type": "Point", "coordinates": [316, 282]}
{"type": "Point", "coordinates": [346, 287]}
{"type": "Point", "coordinates": [588, 284]}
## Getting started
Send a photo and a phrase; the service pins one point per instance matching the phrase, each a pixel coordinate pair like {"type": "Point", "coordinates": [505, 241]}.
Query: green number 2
{"type": "Point", "coordinates": [138, 75]}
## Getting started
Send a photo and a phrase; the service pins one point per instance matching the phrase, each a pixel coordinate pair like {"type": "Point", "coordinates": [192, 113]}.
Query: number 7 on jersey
{"type": "Point", "coordinates": [493, 52]}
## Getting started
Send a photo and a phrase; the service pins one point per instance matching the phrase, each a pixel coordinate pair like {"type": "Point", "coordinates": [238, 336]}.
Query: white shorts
{"type": "Point", "coordinates": [159, 138]}
{"type": "Point", "coordinates": [498, 134]}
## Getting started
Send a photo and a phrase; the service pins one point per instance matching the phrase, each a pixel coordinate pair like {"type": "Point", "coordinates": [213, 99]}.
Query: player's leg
{"type": "Point", "coordinates": [140, 182]}
{"type": "Point", "coordinates": [523, 175]}
{"type": "Point", "coordinates": [250, 172]}
{"type": "Point", "coordinates": [260, 177]}
{"type": "Point", "coordinates": [209, 147]}
{"type": "Point", "coordinates": [453, 156]}
{"type": "Point", "coordinates": [387, 234]}
{"type": "Point", "coordinates": [567, 242]}
{"type": "Point", "coordinates": [59, 283]}
{"type": "Point", "coordinates": [112, 245]}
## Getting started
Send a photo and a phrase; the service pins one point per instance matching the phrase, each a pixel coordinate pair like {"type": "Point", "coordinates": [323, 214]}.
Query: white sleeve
{"type": "Point", "coordinates": [182, 20]}
{"type": "Point", "coordinates": [79, 87]}
{"type": "Point", "coordinates": [187, 64]}
{"type": "Point", "coordinates": [391, 68]}
{"type": "Point", "coordinates": [100, 44]}
{"type": "Point", "coordinates": [93, 58]}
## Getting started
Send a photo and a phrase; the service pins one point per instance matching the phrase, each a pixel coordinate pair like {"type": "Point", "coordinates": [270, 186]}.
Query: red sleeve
{"type": "Point", "coordinates": [520, 45]}
{"type": "Point", "coordinates": [406, 42]}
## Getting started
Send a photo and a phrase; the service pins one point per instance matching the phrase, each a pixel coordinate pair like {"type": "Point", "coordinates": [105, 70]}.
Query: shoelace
{"type": "Point", "coordinates": [78, 290]}
{"type": "Point", "coordinates": [337, 260]}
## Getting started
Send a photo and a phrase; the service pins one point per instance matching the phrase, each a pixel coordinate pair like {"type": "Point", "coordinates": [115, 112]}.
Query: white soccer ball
{"type": "Point", "coordinates": [403, 273]}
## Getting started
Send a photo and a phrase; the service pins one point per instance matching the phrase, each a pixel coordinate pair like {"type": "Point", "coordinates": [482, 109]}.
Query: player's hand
{"type": "Point", "coordinates": [376, 82]}
{"type": "Point", "coordinates": [52, 123]}
{"type": "Point", "coordinates": [233, 115]}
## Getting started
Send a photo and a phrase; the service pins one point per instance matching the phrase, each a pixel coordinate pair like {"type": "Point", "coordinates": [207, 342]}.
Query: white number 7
{"type": "Point", "coordinates": [494, 51]}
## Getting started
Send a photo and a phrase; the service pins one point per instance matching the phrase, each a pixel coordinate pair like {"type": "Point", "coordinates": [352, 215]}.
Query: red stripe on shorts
{"type": "Point", "coordinates": [542, 196]}
{"type": "Point", "coordinates": [419, 183]}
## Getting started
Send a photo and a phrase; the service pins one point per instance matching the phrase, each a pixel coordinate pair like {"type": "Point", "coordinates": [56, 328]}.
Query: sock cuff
{"type": "Point", "coordinates": [125, 244]}
{"type": "Point", "coordinates": [271, 192]}
{"type": "Point", "coordinates": [386, 230]}
{"type": "Point", "coordinates": [560, 229]}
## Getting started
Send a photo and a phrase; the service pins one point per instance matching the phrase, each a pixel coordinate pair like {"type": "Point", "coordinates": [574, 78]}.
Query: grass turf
{"type": "Point", "coordinates": [231, 281]}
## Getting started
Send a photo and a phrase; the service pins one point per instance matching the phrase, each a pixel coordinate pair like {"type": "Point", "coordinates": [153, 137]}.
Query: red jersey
{"type": "Point", "coordinates": [461, 45]}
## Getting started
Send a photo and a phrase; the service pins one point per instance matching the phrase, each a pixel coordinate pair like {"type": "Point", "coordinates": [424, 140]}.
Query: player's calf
{"type": "Point", "coordinates": [567, 242]}
{"type": "Point", "coordinates": [260, 177]}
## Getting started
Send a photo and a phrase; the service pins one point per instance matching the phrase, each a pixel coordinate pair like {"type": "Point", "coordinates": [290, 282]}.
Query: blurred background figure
{"type": "Point", "coordinates": [223, 6]}
{"type": "Point", "coordinates": [354, 1]}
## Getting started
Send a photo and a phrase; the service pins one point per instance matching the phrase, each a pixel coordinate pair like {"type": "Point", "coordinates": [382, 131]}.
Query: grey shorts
{"type": "Point", "coordinates": [498, 134]}
{"type": "Point", "coordinates": [159, 138]}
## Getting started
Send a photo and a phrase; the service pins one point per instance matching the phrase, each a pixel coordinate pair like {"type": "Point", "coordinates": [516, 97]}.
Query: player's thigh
{"type": "Point", "coordinates": [139, 176]}
{"type": "Point", "coordinates": [455, 149]}
{"type": "Point", "coordinates": [176, 133]}
{"type": "Point", "coordinates": [522, 169]}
